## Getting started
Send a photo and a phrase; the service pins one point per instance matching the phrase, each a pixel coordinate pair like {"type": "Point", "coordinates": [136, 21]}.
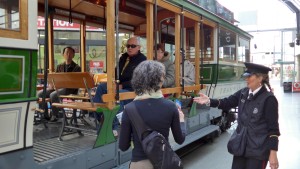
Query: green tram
{"type": "Point", "coordinates": [190, 29]}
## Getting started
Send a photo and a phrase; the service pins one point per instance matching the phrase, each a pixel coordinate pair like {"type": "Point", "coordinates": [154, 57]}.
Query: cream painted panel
{"type": "Point", "coordinates": [12, 118]}
{"type": "Point", "coordinates": [31, 43]}
{"type": "Point", "coordinates": [226, 89]}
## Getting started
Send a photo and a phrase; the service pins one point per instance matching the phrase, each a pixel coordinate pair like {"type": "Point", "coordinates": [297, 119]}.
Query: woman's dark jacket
{"type": "Point", "coordinates": [160, 115]}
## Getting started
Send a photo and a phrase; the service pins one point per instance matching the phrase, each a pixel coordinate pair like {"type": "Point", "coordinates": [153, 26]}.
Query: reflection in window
{"type": "Point", "coordinates": [227, 48]}
{"type": "Point", "coordinates": [243, 50]}
{"type": "Point", "coordinates": [208, 42]}
{"type": "Point", "coordinates": [9, 14]}
{"type": "Point", "coordinates": [207, 46]}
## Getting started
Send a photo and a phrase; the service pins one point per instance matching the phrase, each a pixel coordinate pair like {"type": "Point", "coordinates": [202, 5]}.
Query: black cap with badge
{"type": "Point", "coordinates": [252, 68]}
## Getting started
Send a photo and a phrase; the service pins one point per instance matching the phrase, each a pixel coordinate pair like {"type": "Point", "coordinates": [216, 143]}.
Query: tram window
{"type": "Point", "coordinates": [207, 46]}
{"type": "Point", "coordinates": [227, 48]}
{"type": "Point", "coordinates": [208, 42]}
{"type": "Point", "coordinates": [243, 50]}
{"type": "Point", "coordinates": [9, 14]}
{"type": "Point", "coordinates": [14, 19]}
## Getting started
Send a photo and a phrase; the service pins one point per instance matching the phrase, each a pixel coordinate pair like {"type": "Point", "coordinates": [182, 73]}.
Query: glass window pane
{"type": "Point", "coordinates": [227, 49]}
{"type": "Point", "coordinates": [243, 50]}
{"type": "Point", "coordinates": [9, 14]}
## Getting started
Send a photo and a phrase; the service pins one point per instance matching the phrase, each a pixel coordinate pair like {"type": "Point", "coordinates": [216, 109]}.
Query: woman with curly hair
{"type": "Point", "coordinates": [158, 113]}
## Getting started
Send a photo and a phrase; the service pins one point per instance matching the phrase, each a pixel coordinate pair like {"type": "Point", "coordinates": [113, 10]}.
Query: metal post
{"type": "Point", "coordinates": [281, 64]}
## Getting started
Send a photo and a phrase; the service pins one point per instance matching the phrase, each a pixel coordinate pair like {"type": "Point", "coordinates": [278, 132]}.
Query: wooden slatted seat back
{"type": "Point", "coordinates": [131, 95]}
{"type": "Point", "coordinates": [71, 80]}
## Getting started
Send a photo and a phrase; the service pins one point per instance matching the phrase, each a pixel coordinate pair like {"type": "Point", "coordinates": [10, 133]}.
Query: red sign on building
{"type": "Point", "coordinates": [296, 86]}
{"type": "Point", "coordinates": [96, 66]}
{"type": "Point", "coordinates": [63, 25]}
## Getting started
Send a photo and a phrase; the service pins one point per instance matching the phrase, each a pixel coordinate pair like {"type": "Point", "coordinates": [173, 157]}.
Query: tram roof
{"type": "Point", "coordinates": [209, 15]}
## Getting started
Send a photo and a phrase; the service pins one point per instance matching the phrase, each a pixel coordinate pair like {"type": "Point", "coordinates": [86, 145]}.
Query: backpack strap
{"type": "Point", "coordinates": [138, 123]}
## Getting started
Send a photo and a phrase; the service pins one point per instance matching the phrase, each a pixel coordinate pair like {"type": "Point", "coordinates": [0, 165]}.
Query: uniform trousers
{"type": "Point", "coordinates": [240, 162]}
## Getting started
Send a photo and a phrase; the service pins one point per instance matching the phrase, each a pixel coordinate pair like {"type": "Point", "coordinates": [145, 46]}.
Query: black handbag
{"type": "Point", "coordinates": [237, 142]}
{"type": "Point", "coordinates": [155, 145]}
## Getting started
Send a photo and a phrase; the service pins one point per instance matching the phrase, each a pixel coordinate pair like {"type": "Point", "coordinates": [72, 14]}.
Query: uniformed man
{"type": "Point", "coordinates": [256, 136]}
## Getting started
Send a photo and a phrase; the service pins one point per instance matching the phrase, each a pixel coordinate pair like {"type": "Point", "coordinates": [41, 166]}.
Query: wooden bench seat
{"type": "Point", "coordinates": [74, 97]}
{"type": "Point", "coordinates": [75, 80]}
{"type": "Point", "coordinates": [81, 105]}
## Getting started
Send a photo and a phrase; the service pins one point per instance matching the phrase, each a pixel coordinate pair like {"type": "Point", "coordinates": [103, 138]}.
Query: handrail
{"type": "Point", "coordinates": [131, 95]}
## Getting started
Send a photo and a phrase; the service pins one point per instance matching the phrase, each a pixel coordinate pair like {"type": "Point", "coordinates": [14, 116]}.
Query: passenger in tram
{"type": "Point", "coordinates": [158, 113]}
{"type": "Point", "coordinates": [67, 66]}
{"type": "Point", "coordinates": [128, 62]}
{"type": "Point", "coordinates": [189, 72]}
{"type": "Point", "coordinates": [164, 57]}
{"type": "Point", "coordinates": [258, 128]}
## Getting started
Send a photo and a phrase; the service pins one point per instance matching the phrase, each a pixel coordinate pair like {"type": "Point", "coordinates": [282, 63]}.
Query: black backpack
{"type": "Point", "coordinates": [155, 145]}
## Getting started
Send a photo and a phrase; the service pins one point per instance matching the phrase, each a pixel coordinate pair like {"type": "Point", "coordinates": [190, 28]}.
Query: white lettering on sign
{"type": "Point", "coordinates": [224, 90]}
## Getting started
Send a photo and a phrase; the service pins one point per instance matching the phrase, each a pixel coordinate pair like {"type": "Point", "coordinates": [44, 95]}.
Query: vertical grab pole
{"type": "Point", "coordinates": [117, 52]}
{"type": "Point", "coordinates": [182, 51]}
{"type": "Point", "coordinates": [201, 51]}
{"type": "Point", "coordinates": [46, 61]}
{"type": "Point", "coordinates": [155, 30]}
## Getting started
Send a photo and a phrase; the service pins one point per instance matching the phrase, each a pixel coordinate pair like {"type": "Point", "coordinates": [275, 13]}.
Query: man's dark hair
{"type": "Point", "coordinates": [69, 48]}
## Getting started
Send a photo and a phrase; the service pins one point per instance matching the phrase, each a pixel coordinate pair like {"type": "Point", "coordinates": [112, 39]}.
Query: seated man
{"type": "Point", "coordinates": [128, 62]}
{"type": "Point", "coordinates": [68, 66]}
{"type": "Point", "coordinates": [189, 73]}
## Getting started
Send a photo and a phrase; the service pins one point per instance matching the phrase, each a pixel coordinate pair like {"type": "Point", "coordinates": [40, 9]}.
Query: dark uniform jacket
{"type": "Point", "coordinates": [126, 76]}
{"type": "Point", "coordinates": [73, 67]}
{"type": "Point", "coordinates": [259, 115]}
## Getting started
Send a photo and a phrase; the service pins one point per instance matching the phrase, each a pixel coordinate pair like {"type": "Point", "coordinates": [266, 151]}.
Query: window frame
{"type": "Point", "coordinates": [22, 33]}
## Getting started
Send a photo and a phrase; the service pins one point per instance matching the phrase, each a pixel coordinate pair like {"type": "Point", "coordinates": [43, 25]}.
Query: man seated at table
{"type": "Point", "coordinates": [128, 62]}
{"type": "Point", "coordinates": [67, 66]}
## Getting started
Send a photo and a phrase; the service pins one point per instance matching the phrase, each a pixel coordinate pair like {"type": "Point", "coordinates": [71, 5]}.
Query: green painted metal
{"type": "Point", "coordinates": [11, 69]}
{"type": "Point", "coordinates": [209, 73]}
{"type": "Point", "coordinates": [105, 134]}
{"type": "Point", "coordinates": [193, 110]}
{"type": "Point", "coordinates": [12, 73]}
{"type": "Point", "coordinates": [8, 101]}
{"type": "Point", "coordinates": [200, 11]}
{"type": "Point", "coordinates": [227, 73]}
